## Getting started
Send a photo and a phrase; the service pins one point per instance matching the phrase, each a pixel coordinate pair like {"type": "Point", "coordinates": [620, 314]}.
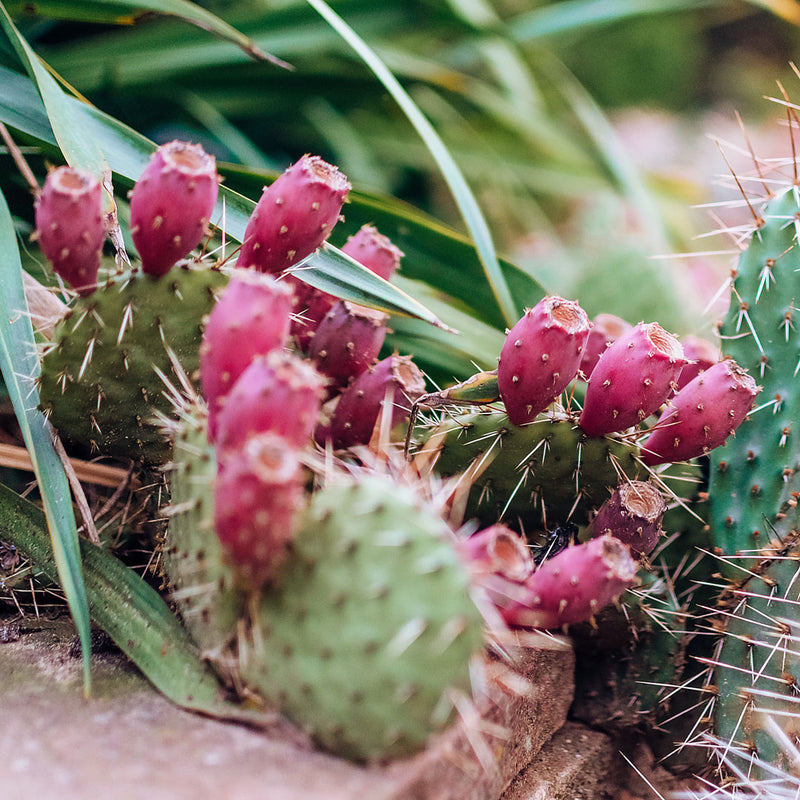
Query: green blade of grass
{"type": "Point", "coordinates": [583, 15]}
{"type": "Point", "coordinates": [132, 613]}
{"type": "Point", "coordinates": [120, 12]}
{"type": "Point", "coordinates": [334, 272]}
{"type": "Point", "coordinates": [20, 368]}
{"type": "Point", "coordinates": [79, 149]}
{"type": "Point", "coordinates": [462, 194]}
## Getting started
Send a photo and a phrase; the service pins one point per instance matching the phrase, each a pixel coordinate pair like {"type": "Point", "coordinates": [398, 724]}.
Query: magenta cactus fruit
{"type": "Point", "coordinates": [251, 317]}
{"type": "Point", "coordinates": [632, 379]}
{"type": "Point", "coordinates": [500, 551]}
{"type": "Point", "coordinates": [632, 514]}
{"type": "Point", "coordinates": [347, 341]}
{"type": "Point", "coordinates": [294, 216]}
{"type": "Point", "coordinates": [540, 356]}
{"type": "Point", "coordinates": [605, 329]}
{"type": "Point", "coordinates": [395, 379]}
{"type": "Point", "coordinates": [703, 414]}
{"type": "Point", "coordinates": [171, 204]}
{"type": "Point", "coordinates": [69, 226]}
{"type": "Point", "coordinates": [700, 355]}
{"type": "Point", "coordinates": [257, 496]}
{"type": "Point", "coordinates": [499, 562]}
{"type": "Point", "coordinates": [310, 307]}
{"type": "Point", "coordinates": [374, 251]}
{"type": "Point", "coordinates": [277, 392]}
{"type": "Point", "coordinates": [575, 584]}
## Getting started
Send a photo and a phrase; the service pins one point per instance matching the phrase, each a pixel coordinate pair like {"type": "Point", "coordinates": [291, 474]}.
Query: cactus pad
{"type": "Point", "coordinates": [371, 627]}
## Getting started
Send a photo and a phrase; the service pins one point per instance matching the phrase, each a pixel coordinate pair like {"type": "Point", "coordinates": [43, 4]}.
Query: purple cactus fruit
{"type": "Point", "coordinates": [69, 226]}
{"type": "Point", "coordinates": [700, 354]}
{"type": "Point", "coordinates": [347, 341]}
{"type": "Point", "coordinates": [632, 514]}
{"type": "Point", "coordinates": [703, 414]}
{"type": "Point", "coordinates": [278, 392]}
{"type": "Point", "coordinates": [250, 318]}
{"type": "Point", "coordinates": [575, 584]}
{"type": "Point", "coordinates": [540, 356]}
{"type": "Point", "coordinates": [257, 496]}
{"type": "Point", "coordinates": [605, 329]}
{"type": "Point", "coordinates": [171, 204]}
{"type": "Point", "coordinates": [632, 379]}
{"type": "Point", "coordinates": [395, 378]}
{"type": "Point", "coordinates": [294, 216]}
{"type": "Point", "coordinates": [374, 251]}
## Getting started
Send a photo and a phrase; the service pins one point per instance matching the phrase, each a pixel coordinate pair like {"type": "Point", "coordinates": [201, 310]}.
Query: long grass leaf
{"type": "Point", "coordinates": [79, 149]}
{"type": "Point", "coordinates": [121, 12]}
{"type": "Point", "coordinates": [462, 194]}
{"type": "Point", "coordinates": [20, 368]}
{"type": "Point", "coordinates": [132, 613]}
{"type": "Point", "coordinates": [579, 16]}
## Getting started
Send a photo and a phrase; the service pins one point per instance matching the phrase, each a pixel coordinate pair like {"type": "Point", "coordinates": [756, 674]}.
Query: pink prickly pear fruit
{"type": "Point", "coordinates": [278, 392]}
{"type": "Point", "coordinates": [540, 356]}
{"type": "Point", "coordinates": [700, 355]}
{"type": "Point", "coordinates": [251, 317]}
{"type": "Point", "coordinates": [605, 329]}
{"type": "Point", "coordinates": [632, 379]}
{"type": "Point", "coordinates": [499, 562]}
{"type": "Point", "coordinates": [171, 204]}
{"type": "Point", "coordinates": [294, 216]}
{"type": "Point", "coordinates": [498, 550]}
{"type": "Point", "coordinates": [374, 251]}
{"type": "Point", "coordinates": [632, 514]}
{"type": "Point", "coordinates": [310, 307]}
{"type": "Point", "coordinates": [575, 584]}
{"type": "Point", "coordinates": [703, 414]}
{"type": "Point", "coordinates": [257, 495]}
{"type": "Point", "coordinates": [69, 226]}
{"type": "Point", "coordinates": [395, 383]}
{"type": "Point", "coordinates": [347, 341]}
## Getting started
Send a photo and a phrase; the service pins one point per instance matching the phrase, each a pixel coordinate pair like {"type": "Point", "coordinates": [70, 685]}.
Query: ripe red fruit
{"type": "Point", "coordinates": [171, 204]}
{"type": "Point", "coordinates": [540, 356]}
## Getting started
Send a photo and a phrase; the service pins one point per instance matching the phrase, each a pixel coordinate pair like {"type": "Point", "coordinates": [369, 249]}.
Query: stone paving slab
{"type": "Point", "coordinates": [130, 743]}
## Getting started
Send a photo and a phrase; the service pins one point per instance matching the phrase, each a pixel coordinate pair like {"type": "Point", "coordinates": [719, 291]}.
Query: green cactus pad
{"type": "Point", "coordinates": [201, 585]}
{"type": "Point", "coordinates": [758, 667]}
{"type": "Point", "coordinates": [371, 628]}
{"type": "Point", "coordinates": [627, 662]}
{"type": "Point", "coordinates": [546, 472]}
{"type": "Point", "coordinates": [99, 384]}
{"type": "Point", "coordinates": [760, 332]}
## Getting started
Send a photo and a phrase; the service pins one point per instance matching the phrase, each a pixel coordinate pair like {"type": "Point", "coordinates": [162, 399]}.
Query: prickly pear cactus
{"type": "Point", "coordinates": [370, 630]}
{"type": "Point", "coordinates": [545, 472]}
{"type": "Point", "coordinates": [753, 486]}
{"type": "Point", "coordinates": [750, 473]}
{"type": "Point", "coordinates": [200, 584]}
{"type": "Point", "coordinates": [100, 385]}
{"type": "Point", "coordinates": [758, 663]}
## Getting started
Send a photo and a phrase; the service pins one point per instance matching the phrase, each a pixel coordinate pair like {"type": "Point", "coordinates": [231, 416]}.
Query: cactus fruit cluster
{"type": "Point", "coordinates": [320, 575]}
